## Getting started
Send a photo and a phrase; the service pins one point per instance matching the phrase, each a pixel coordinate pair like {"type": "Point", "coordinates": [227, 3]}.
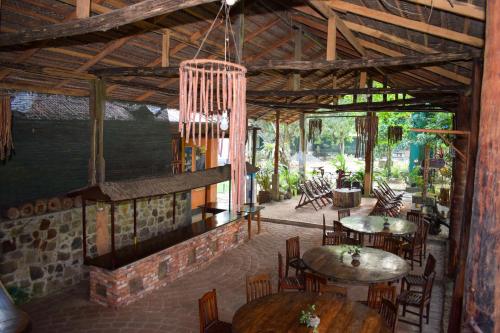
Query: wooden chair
{"type": "Point", "coordinates": [333, 238]}
{"type": "Point", "coordinates": [343, 213]}
{"type": "Point", "coordinates": [258, 286]}
{"type": "Point", "coordinates": [393, 245]}
{"type": "Point", "coordinates": [325, 232]}
{"type": "Point", "coordinates": [379, 291]}
{"type": "Point", "coordinates": [318, 284]}
{"type": "Point", "coordinates": [288, 282]}
{"type": "Point", "coordinates": [419, 300]}
{"type": "Point", "coordinates": [351, 241]}
{"type": "Point", "coordinates": [414, 280]}
{"type": "Point", "coordinates": [389, 312]}
{"type": "Point", "coordinates": [414, 250]}
{"type": "Point", "coordinates": [293, 258]}
{"type": "Point", "coordinates": [338, 227]}
{"type": "Point", "coordinates": [209, 315]}
{"type": "Point", "coordinates": [378, 240]}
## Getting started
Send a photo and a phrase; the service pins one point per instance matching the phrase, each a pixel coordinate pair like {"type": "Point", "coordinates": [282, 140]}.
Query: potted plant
{"type": "Point", "coordinates": [264, 181]}
{"type": "Point", "coordinates": [309, 318]}
{"type": "Point", "coordinates": [353, 250]}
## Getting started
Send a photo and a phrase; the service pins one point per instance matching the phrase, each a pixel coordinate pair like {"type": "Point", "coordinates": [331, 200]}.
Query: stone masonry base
{"type": "Point", "coordinates": [129, 283]}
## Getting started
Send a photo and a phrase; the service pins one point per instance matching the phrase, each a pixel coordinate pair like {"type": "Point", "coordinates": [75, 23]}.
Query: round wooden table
{"type": "Point", "coordinates": [346, 197]}
{"type": "Point", "coordinates": [375, 224]}
{"type": "Point", "coordinates": [280, 313]}
{"type": "Point", "coordinates": [375, 266]}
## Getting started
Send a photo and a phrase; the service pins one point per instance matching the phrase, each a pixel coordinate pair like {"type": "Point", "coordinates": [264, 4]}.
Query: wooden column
{"type": "Point", "coordinates": [97, 105]}
{"type": "Point", "coordinates": [459, 183]}
{"type": "Point", "coordinates": [276, 183]}
{"type": "Point", "coordinates": [302, 146]}
{"type": "Point", "coordinates": [331, 39]}
{"type": "Point", "coordinates": [368, 180]}
{"type": "Point", "coordinates": [82, 8]}
{"type": "Point", "coordinates": [297, 55]}
{"type": "Point", "coordinates": [165, 48]}
{"type": "Point", "coordinates": [482, 283]}
{"type": "Point", "coordinates": [456, 267]}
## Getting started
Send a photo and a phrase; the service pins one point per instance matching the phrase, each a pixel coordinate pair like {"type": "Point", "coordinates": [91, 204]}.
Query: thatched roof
{"type": "Point", "coordinates": [155, 186]}
{"type": "Point", "coordinates": [268, 35]}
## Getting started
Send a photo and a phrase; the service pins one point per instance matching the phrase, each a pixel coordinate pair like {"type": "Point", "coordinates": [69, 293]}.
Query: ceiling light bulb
{"type": "Point", "coordinates": [224, 122]}
{"type": "Point", "coordinates": [230, 2]}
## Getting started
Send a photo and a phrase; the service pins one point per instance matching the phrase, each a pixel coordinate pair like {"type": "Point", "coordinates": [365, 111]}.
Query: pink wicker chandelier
{"type": "Point", "coordinates": [212, 97]}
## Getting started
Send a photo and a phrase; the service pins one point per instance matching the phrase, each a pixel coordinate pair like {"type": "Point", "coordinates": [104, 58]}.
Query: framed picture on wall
{"type": "Point", "coordinates": [188, 159]}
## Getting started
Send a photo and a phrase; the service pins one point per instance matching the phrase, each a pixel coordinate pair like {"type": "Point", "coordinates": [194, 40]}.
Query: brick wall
{"type": "Point", "coordinates": [129, 283]}
{"type": "Point", "coordinates": [43, 254]}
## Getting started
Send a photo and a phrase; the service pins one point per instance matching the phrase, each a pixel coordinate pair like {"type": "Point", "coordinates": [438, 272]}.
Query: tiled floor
{"type": "Point", "coordinates": [175, 308]}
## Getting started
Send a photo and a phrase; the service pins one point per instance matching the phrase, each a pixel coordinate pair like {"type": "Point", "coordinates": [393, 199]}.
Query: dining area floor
{"type": "Point", "coordinates": [174, 308]}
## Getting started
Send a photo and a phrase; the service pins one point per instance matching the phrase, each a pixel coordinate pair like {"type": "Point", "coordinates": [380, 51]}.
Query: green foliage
{"type": "Point", "coordinates": [415, 178]}
{"type": "Point", "coordinates": [358, 176]}
{"type": "Point", "coordinates": [289, 180]}
{"type": "Point", "coordinates": [339, 162]}
{"type": "Point", "coordinates": [19, 295]}
{"type": "Point", "coordinates": [264, 175]}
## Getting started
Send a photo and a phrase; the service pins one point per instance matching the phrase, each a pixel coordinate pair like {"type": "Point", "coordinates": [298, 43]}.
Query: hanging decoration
{"type": "Point", "coordinates": [366, 130]}
{"type": "Point", "coordinates": [394, 134]}
{"type": "Point", "coordinates": [315, 128]}
{"type": "Point", "coordinates": [212, 98]}
{"type": "Point", "coordinates": [6, 143]}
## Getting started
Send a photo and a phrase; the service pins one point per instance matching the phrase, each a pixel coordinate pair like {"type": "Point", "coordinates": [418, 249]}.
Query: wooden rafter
{"type": "Point", "coordinates": [114, 19]}
{"type": "Point", "coordinates": [455, 7]}
{"type": "Point", "coordinates": [406, 23]}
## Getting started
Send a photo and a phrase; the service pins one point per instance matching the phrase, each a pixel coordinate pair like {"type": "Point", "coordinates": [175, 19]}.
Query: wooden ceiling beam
{"type": "Point", "coordinates": [435, 69]}
{"type": "Point", "coordinates": [455, 7]}
{"type": "Point", "coordinates": [43, 89]}
{"type": "Point", "coordinates": [104, 22]}
{"type": "Point", "coordinates": [83, 8]}
{"type": "Point", "coordinates": [406, 23]}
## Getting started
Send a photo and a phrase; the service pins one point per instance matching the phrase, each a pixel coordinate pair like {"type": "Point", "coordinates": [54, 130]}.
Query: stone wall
{"type": "Point", "coordinates": [131, 282]}
{"type": "Point", "coordinates": [43, 254]}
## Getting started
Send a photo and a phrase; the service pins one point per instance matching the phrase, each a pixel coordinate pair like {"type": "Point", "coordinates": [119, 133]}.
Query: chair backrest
{"type": "Point", "coordinates": [314, 283]}
{"type": "Point", "coordinates": [378, 239]}
{"type": "Point", "coordinates": [414, 217]}
{"type": "Point", "coordinates": [208, 309]}
{"type": "Point", "coordinates": [281, 274]}
{"type": "Point", "coordinates": [376, 292]}
{"type": "Point", "coordinates": [389, 312]}
{"type": "Point", "coordinates": [258, 286]}
{"type": "Point", "coordinates": [344, 213]}
{"type": "Point", "coordinates": [337, 226]}
{"type": "Point", "coordinates": [292, 249]}
{"type": "Point", "coordinates": [427, 292]}
{"type": "Point", "coordinates": [351, 241]}
{"type": "Point", "coordinates": [430, 266]}
{"type": "Point", "coordinates": [392, 245]}
{"type": "Point", "coordinates": [333, 238]}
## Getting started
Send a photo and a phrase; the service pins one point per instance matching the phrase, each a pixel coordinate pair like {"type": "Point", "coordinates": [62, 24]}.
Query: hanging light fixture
{"type": "Point", "coordinates": [215, 90]}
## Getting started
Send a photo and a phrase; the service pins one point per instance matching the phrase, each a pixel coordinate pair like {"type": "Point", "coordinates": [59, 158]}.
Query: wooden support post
{"type": "Point", "coordinates": [459, 181]}
{"type": "Point", "coordinates": [174, 203]}
{"type": "Point", "coordinates": [254, 162]}
{"type": "Point", "coordinates": [275, 180]}
{"type": "Point", "coordinates": [135, 221]}
{"type": "Point", "coordinates": [482, 292]}
{"type": "Point", "coordinates": [297, 55]}
{"type": "Point", "coordinates": [97, 105]}
{"type": "Point", "coordinates": [427, 157]}
{"type": "Point", "coordinates": [302, 146]}
{"type": "Point", "coordinates": [457, 268]}
{"type": "Point", "coordinates": [82, 8]}
{"type": "Point", "coordinates": [368, 180]}
{"type": "Point", "coordinates": [331, 39]}
{"type": "Point", "coordinates": [113, 234]}
{"type": "Point", "coordinates": [165, 48]}
{"type": "Point", "coordinates": [84, 227]}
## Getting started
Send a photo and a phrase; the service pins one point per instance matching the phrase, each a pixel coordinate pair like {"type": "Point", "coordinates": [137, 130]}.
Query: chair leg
{"type": "Point", "coordinates": [420, 255]}
{"type": "Point", "coordinates": [428, 310]}
{"type": "Point", "coordinates": [420, 318]}
{"type": "Point", "coordinates": [286, 269]}
{"type": "Point", "coordinates": [404, 310]}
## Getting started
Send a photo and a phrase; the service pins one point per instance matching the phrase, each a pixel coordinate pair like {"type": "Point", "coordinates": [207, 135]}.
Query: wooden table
{"type": "Point", "coordinates": [375, 266]}
{"type": "Point", "coordinates": [375, 224]}
{"type": "Point", "coordinates": [280, 313]}
{"type": "Point", "coordinates": [249, 211]}
{"type": "Point", "coordinates": [346, 197]}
